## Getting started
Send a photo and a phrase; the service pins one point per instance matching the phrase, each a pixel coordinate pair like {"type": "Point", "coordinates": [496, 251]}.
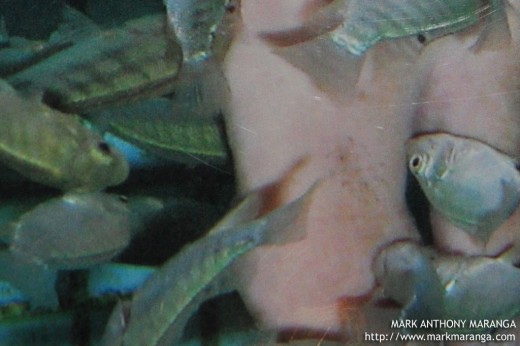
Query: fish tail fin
{"type": "Point", "coordinates": [201, 90]}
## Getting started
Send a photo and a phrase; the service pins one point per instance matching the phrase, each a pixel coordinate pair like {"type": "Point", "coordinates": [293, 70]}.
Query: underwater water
{"type": "Point", "coordinates": [292, 172]}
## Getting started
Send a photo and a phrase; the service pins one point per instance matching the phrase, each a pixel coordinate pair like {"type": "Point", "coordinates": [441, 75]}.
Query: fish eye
{"type": "Point", "coordinates": [416, 163]}
{"type": "Point", "coordinates": [104, 147]}
{"type": "Point", "coordinates": [421, 38]}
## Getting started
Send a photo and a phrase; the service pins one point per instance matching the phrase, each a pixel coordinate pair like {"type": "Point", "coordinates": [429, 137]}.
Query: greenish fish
{"type": "Point", "coordinates": [54, 148]}
{"type": "Point", "coordinates": [204, 30]}
{"type": "Point", "coordinates": [161, 309]}
{"type": "Point", "coordinates": [19, 53]}
{"type": "Point", "coordinates": [330, 46]}
{"type": "Point", "coordinates": [23, 53]}
{"type": "Point", "coordinates": [137, 61]}
{"type": "Point", "coordinates": [150, 125]}
{"type": "Point", "coordinates": [368, 22]}
{"type": "Point", "coordinates": [475, 186]}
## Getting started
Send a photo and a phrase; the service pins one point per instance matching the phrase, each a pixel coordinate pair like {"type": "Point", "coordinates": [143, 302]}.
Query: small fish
{"type": "Point", "coordinates": [74, 231]}
{"type": "Point", "coordinates": [150, 125]}
{"type": "Point", "coordinates": [330, 47]}
{"type": "Point", "coordinates": [475, 186]}
{"type": "Point", "coordinates": [431, 286]}
{"type": "Point", "coordinates": [161, 309]}
{"type": "Point", "coordinates": [54, 148]}
{"type": "Point", "coordinates": [204, 30]}
{"type": "Point", "coordinates": [197, 25]}
{"type": "Point", "coordinates": [19, 53]}
{"type": "Point", "coordinates": [137, 61]}
{"type": "Point", "coordinates": [368, 22]}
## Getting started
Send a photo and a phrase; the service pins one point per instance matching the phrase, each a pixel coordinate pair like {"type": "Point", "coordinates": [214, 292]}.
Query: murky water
{"type": "Point", "coordinates": [286, 109]}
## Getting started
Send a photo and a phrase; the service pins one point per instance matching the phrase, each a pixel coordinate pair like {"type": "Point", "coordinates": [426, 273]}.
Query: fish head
{"type": "Point", "coordinates": [431, 157]}
{"type": "Point", "coordinates": [98, 165]}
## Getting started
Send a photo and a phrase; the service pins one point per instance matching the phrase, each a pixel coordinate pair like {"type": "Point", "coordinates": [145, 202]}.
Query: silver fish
{"type": "Point", "coordinates": [75, 231]}
{"type": "Point", "coordinates": [204, 30]}
{"type": "Point", "coordinates": [431, 286]}
{"type": "Point", "coordinates": [330, 47]}
{"type": "Point", "coordinates": [160, 310]}
{"type": "Point", "coordinates": [368, 22]}
{"type": "Point", "coordinates": [475, 186]}
{"type": "Point", "coordinates": [54, 148]}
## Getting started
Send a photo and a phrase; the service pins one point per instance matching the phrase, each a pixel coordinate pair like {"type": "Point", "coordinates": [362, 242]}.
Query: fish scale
{"type": "Point", "coordinates": [137, 61]}
{"type": "Point", "coordinates": [368, 22]}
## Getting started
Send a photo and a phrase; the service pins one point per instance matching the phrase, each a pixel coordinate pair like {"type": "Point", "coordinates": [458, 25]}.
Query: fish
{"type": "Point", "coordinates": [340, 34]}
{"type": "Point", "coordinates": [369, 22]}
{"type": "Point", "coordinates": [204, 30]}
{"type": "Point", "coordinates": [54, 148]}
{"type": "Point", "coordinates": [73, 231]}
{"type": "Point", "coordinates": [470, 183]}
{"type": "Point", "coordinates": [22, 53]}
{"type": "Point", "coordinates": [408, 276]}
{"type": "Point", "coordinates": [160, 310]}
{"type": "Point", "coordinates": [136, 61]}
{"type": "Point", "coordinates": [150, 125]}
{"type": "Point", "coordinates": [431, 286]}
{"type": "Point", "coordinates": [19, 53]}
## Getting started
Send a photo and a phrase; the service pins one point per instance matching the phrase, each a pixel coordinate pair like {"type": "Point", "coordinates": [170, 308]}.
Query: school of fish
{"type": "Point", "coordinates": [74, 108]}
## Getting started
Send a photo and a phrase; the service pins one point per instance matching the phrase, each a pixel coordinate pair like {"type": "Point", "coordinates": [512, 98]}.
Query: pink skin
{"type": "Point", "coordinates": [288, 133]}
{"type": "Point", "coordinates": [458, 98]}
